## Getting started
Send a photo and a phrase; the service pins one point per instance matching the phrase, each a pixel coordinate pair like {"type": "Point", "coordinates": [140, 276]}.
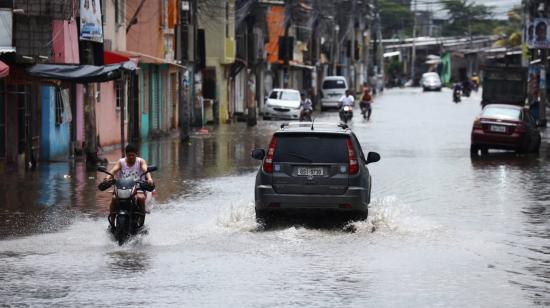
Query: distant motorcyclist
{"type": "Point", "coordinates": [457, 92]}
{"type": "Point", "coordinates": [307, 107]}
{"type": "Point", "coordinates": [466, 87]}
{"type": "Point", "coordinates": [366, 101]}
{"type": "Point", "coordinates": [475, 81]}
{"type": "Point", "coordinates": [131, 166]}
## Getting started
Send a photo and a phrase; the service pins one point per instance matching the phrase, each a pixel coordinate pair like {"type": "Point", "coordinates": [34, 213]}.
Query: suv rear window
{"type": "Point", "coordinates": [334, 84]}
{"type": "Point", "coordinates": [311, 148]}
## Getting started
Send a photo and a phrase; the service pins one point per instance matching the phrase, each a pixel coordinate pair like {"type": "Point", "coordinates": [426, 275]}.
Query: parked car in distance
{"type": "Point", "coordinates": [313, 169]}
{"type": "Point", "coordinates": [507, 127]}
{"type": "Point", "coordinates": [430, 81]}
{"type": "Point", "coordinates": [282, 104]}
{"type": "Point", "coordinates": [332, 89]}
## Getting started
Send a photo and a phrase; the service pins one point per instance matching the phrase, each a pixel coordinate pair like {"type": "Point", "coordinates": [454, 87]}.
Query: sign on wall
{"type": "Point", "coordinates": [90, 21]}
{"type": "Point", "coordinates": [537, 34]}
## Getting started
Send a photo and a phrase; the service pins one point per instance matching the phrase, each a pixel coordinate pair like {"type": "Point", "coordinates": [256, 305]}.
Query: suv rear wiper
{"type": "Point", "coordinates": [300, 156]}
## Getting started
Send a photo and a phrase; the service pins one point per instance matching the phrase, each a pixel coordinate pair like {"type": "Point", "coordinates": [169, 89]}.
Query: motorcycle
{"type": "Point", "coordinates": [456, 96]}
{"type": "Point", "coordinates": [305, 115]}
{"type": "Point", "coordinates": [365, 110]}
{"type": "Point", "coordinates": [127, 219]}
{"type": "Point", "coordinates": [346, 113]}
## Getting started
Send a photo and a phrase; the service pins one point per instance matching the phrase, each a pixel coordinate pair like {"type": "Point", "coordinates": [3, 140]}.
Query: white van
{"type": "Point", "coordinates": [332, 89]}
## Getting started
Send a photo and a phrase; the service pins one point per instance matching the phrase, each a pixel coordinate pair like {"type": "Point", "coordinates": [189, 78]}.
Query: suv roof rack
{"type": "Point", "coordinates": [313, 125]}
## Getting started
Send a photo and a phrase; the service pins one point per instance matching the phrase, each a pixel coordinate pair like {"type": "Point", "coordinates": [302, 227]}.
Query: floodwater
{"type": "Point", "coordinates": [443, 230]}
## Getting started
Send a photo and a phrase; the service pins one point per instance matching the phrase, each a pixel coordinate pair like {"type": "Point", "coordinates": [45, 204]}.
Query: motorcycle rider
{"type": "Point", "coordinates": [466, 87]}
{"type": "Point", "coordinates": [346, 100]}
{"type": "Point", "coordinates": [457, 88]}
{"type": "Point", "coordinates": [131, 166]}
{"type": "Point", "coordinates": [307, 107]}
{"type": "Point", "coordinates": [366, 101]}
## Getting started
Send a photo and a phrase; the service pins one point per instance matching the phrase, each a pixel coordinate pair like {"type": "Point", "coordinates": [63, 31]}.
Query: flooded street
{"type": "Point", "coordinates": [443, 230]}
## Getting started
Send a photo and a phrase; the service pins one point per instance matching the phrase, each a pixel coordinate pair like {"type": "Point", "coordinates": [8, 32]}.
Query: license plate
{"type": "Point", "coordinates": [308, 171]}
{"type": "Point", "coordinates": [498, 128]}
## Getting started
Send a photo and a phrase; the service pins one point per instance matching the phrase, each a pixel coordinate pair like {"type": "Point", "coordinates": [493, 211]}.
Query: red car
{"type": "Point", "coordinates": [506, 127]}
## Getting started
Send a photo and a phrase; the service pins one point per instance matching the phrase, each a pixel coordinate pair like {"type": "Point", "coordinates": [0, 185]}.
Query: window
{"type": "Point", "coordinates": [98, 92]}
{"type": "Point", "coordinates": [285, 95]}
{"type": "Point", "coordinates": [502, 113]}
{"type": "Point", "coordinates": [59, 107]}
{"type": "Point", "coordinates": [117, 12]}
{"type": "Point", "coordinates": [226, 19]}
{"type": "Point", "coordinates": [311, 148]}
{"type": "Point", "coordinates": [334, 84]}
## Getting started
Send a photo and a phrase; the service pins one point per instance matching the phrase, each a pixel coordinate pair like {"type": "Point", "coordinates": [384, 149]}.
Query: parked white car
{"type": "Point", "coordinates": [283, 104]}
{"type": "Point", "coordinates": [431, 81]}
{"type": "Point", "coordinates": [332, 89]}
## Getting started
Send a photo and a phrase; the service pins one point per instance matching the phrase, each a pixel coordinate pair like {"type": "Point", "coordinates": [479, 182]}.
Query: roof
{"type": "Point", "coordinates": [312, 127]}
{"type": "Point", "coordinates": [281, 89]}
{"type": "Point", "coordinates": [508, 106]}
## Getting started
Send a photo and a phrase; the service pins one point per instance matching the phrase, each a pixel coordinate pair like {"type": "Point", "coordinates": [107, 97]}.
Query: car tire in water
{"type": "Point", "coordinates": [264, 219]}
{"type": "Point", "coordinates": [474, 150]}
{"type": "Point", "coordinates": [536, 147]}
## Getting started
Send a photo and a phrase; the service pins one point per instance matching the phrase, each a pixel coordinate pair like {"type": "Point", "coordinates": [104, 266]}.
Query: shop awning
{"type": "Point", "coordinates": [4, 69]}
{"type": "Point", "coordinates": [110, 57]}
{"type": "Point", "coordinates": [81, 73]}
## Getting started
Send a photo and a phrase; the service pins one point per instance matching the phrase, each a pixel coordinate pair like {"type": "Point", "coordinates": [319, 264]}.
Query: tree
{"type": "Point", "coordinates": [397, 19]}
{"type": "Point", "coordinates": [466, 17]}
{"type": "Point", "coordinates": [510, 30]}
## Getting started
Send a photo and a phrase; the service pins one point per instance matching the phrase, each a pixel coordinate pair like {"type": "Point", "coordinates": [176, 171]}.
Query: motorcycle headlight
{"type": "Point", "coordinates": [124, 193]}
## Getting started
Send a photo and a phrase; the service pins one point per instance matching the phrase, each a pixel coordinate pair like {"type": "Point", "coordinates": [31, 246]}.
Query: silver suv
{"type": "Point", "coordinates": [313, 168]}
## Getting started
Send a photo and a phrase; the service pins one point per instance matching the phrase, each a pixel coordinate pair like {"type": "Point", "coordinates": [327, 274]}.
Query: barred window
{"type": "Point", "coordinates": [119, 93]}
{"type": "Point", "coordinates": [59, 107]}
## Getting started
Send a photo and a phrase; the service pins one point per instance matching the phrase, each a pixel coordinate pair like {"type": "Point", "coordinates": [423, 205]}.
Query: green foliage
{"type": "Point", "coordinates": [466, 17]}
{"type": "Point", "coordinates": [394, 68]}
{"type": "Point", "coordinates": [397, 19]}
{"type": "Point", "coordinates": [510, 30]}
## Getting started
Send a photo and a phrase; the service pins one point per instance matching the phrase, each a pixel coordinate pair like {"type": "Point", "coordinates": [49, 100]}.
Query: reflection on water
{"type": "Point", "coordinates": [129, 261]}
{"type": "Point", "coordinates": [47, 200]}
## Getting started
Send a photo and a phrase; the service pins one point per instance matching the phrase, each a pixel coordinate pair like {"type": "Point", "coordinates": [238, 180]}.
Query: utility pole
{"type": "Point", "coordinates": [336, 50]}
{"type": "Point", "coordinates": [352, 51]}
{"type": "Point", "coordinates": [413, 56]}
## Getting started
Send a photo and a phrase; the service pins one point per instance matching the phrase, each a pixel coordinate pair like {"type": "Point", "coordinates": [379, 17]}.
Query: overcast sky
{"type": "Point", "coordinates": [500, 7]}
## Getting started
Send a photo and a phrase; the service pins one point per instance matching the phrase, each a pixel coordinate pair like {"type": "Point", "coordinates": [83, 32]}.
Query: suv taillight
{"type": "Point", "coordinates": [268, 162]}
{"type": "Point", "coordinates": [352, 158]}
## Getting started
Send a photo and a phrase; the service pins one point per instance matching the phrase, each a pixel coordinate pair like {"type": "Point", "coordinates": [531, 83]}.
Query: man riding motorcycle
{"type": "Point", "coordinates": [131, 166]}
{"type": "Point", "coordinates": [346, 100]}
{"type": "Point", "coordinates": [457, 92]}
{"type": "Point", "coordinates": [366, 102]}
{"type": "Point", "coordinates": [307, 108]}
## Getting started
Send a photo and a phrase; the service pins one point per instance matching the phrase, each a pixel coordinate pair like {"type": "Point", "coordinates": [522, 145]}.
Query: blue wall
{"type": "Point", "coordinates": [54, 139]}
